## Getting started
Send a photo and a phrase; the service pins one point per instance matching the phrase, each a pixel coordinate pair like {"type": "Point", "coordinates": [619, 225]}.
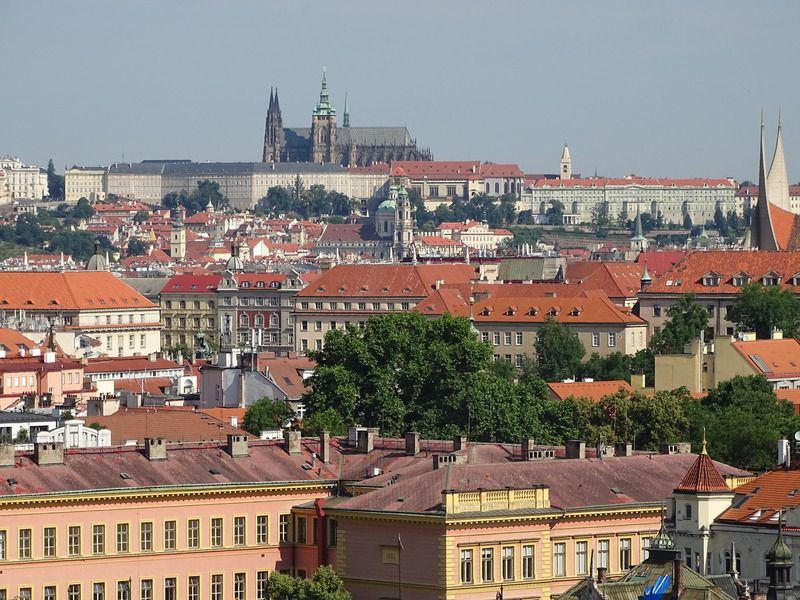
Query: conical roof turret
{"type": "Point", "coordinates": [777, 177]}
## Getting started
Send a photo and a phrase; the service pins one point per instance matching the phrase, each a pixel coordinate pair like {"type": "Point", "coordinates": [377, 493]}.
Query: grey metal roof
{"type": "Point", "coordinates": [8, 416]}
{"type": "Point", "coordinates": [137, 168]}
{"type": "Point", "coordinates": [363, 136]}
{"type": "Point", "coordinates": [149, 287]}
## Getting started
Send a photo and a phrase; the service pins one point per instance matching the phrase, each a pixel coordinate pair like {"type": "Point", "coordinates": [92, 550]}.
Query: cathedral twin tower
{"type": "Point", "coordinates": [325, 142]}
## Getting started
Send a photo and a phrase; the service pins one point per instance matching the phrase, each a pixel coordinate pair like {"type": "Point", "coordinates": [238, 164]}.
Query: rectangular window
{"type": "Point", "coordinates": [239, 531]}
{"type": "Point", "coordinates": [170, 535]}
{"type": "Point", "coordinates": [602, 553]}
{"type": "Point", "coordinates": [262, 529]}
{"type": "Point", "coordinates": [612, 340]}
{"type": "Point", "coordinates": [433, 191]}
{"type": "Point", "coordinates": [507, 338]}
{"type": "Point", "coordinates": [2, 545]}
{"type": "Point", "coordinates": [508, 563]}
{"type": "Point", "coordinates": [146, 537]}
{"type": "Point", "coordinates": [99, 591]}
{"type": "Point", "coordinates": [559, 559]}
{"type": "Point", "coordinates": [146, 589]}
{"type": "Point", "coordinates": [74, 591]}
{"type": "Point", "coordinates": [301, 530]}
{"type": "Point", "coordinates": [170, 588]}
{"type": "Point", "coordinates": [595, 340]}
{"type": "Point", "coordinates": [49, 592]}
{"type": "Point", "coordinates": [98, 539]}
{"type": "Point", "coordinates": [656, 310]}
{"type": "Point", "coordinates": [123, 590]}
{"type": "Point", "coordinates": [216, 532]}
{"type": "Point", "coordinates": [193, 533]}
{"type": "Point", "coordinates": [25, 593]}
{"type": "Point", "coordinates": [216, 587]}
{"type": "Point", "coordinates": [193, 587]}
{"type": "Point", "coordinates": [528, 565]}
{"type": "Point", "coordinates": [333, 530]}
{"type": "Point", "coordinates": [466, 566]}
{"type": "Point", "coordinates": [487, 564]}
{"type": "Point", "coordinates": [624, 554]}
{"type": "Point", "coordinates": [496, 338]}
{"type": "Point", "coordinates": [581, 549]}
{"type": "Point", "coordinates": [74, 540]}
{"type": "Point", "coordinates": [283, 531]}
{"type": "Point", "coordinates": [485, 337]}
{"type": "Point", "coordinates": [451, 190]}
{"type": "Point", "coordinates": [49, 542]}
{"type": "Point", "coordinates": [646, 547]}
{"type": "Point", "coordinates": [262, 577]}
{"type": "Point", "coordinates": [519, 338]}
{"type": "Point", "coordinates": [239, 584]}
{"type": "Point", "coordinates": [123, 530]}
{"type": "Point", "coordinates": [24, 545]}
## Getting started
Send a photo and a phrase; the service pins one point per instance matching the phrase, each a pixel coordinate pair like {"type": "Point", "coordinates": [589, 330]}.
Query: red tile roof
{"type": "Point", "coordinates": [659, 261]}
{"type": "Point", "coordinates": [687, 275]}
{"type": "Point", "coordinates": [441, 169]}
{"type": "Point", "coordinates": [775, 359]}
{"type": "Point", "coordinates": [153, 386]}
{"type": "Point", "coordinates": [591, 390]}
{"type": "Point", "coordinates": [192, 284]}
{"type": "Point", "coordinates": [600, 182]}
{"type": "Point", "coordinates": [616, 480]}
{"type": "Point", "coordinates": [12, 340]}
{"type": "Point", "coordinates": [703, 477]}
{"type": "Point", "coordinates": [527, 309]}
{"type": "Point", "coordinates": [134, 363]}
{"type": "Point", "coordinates": [287, 373]}
{"type": "Point", "coordinates": [619, 280]}
{"type": "Point", "coordinates": [71, 290]}
{"type": "Point", "coordinates": [377, 280]}
{"type": "Point", "coordinates": [174, 425]}
{"type": "Point", "coordinates": [763, 496]}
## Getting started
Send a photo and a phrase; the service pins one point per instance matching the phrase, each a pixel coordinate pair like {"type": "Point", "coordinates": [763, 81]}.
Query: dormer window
{"type": "Point", "coordinates": [486, 311]}
{"type": "Point", "coordinates": [511, 311]}
{"type": "Point", "coordinates": [771, 279]}
{"type": "Point", "coordinates": [576, 312]}
{"type": "Point", "coordinates": [533, 311]}
{"type": "Point", "coordinates": [260, 284]}
{"type": "Point", "coordinates": [245, 284]}
{"type": "Point", "coordinates": [740, 279]}
{"type": "Point", "coordinates": [711, 279]}
{"type": "Point", "coordinates": [553, 312]}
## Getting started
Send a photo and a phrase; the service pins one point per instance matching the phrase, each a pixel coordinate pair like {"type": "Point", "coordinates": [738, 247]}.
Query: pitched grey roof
{"type": "Point", "coordinates": [137, 168]}
{"type": "Point", "coordinates": [362, 136]}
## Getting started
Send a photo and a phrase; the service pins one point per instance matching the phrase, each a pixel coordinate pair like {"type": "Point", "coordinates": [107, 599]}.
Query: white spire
{"type": "Point", "coordinates": [25, 259]}
{"type": "Point", "coordinates": [565, 166]}
{"type": "Point", "coordinates": [565, 153]}
{"type": "Point", "coordinates": [777, 178]}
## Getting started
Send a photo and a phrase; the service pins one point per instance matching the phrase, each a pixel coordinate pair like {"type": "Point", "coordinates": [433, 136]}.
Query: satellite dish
{"type": "Point", "coordinates": [797, 436]}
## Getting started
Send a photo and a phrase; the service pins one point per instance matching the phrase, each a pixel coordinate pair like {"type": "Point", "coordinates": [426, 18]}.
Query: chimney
{"type": "Point", "coordinates": [366, 440]}
{"type": "Point", "coordinates": [575, 449]}
{"type": "Point", "coordinates": [7, 455]}
{"type": "Point", "coordinates": [677, 577]}
{"type": "Point", "coordinates": [292, 439]}
{"type": "Point", "coordinates": [48, 453]}
{"type": "Point", "coordinates": [412, 443]}
{"type": "Point", "coordinates": [155, 448]}
{"type": "Point", "coordinates": [527, 448]}
{"type": "Point", "coordinates": [623, 449]}
{"type": "Point", "coordinates": [325, 447]}
{"type": "Point", "coordinates": [601, 574]}
{"type": "Point", "coordinates": [459, 443]}
{"type": "Point", "coordinates": [237, 445]}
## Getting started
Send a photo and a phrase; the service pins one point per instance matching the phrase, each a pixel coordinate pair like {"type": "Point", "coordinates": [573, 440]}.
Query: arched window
{"type": "Point", "coordinates": [497, 188]}
{"type": "Point", "coordinates": [487, 188]}
{"type": "Point", "coordinates": [505, 187]}
{"type": "Point", "coordinates": [386, 226]}
{"type": "Point", "coordinates": [273, 320]}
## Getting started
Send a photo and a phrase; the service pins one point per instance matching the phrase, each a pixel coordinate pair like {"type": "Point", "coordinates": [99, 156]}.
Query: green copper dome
{"type": "Point", "coordinates": [779, 552]}
{"type": "Point", "coordinates": [387, 206]}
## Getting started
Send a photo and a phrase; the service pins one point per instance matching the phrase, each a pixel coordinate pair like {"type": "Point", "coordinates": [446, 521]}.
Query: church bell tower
{"type": "Point", "coordinates": [323, 127]}
{"type": "Point", "coordinates": [273, 132]}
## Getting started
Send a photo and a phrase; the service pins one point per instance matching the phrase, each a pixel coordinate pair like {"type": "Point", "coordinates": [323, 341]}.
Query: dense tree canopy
{"type": "Point", "coordinates": [686, 320]}
{"type": "Point", "coordinates": [325, 584]}
{"type": "Point", "coordinates": [305, 203]}
{"type": "Point", "coordinates": [55, 182]}
{"type": "Point", "coordinates": [558, 351]}
{"type": "Point", "coordinates": [266, 414]}
{"type": "Point", "coordinates": [762, 309]}
{"type": "Point", "coordinates": [197, 200]}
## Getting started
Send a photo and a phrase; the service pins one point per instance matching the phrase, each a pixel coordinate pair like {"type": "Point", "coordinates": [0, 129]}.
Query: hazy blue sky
{"type": "Point", "coordinates": [658, 89]}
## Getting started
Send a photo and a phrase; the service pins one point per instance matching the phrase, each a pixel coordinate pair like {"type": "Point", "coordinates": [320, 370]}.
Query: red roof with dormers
{"type": "Point", "coordinates": [775, 359]}
{"type": "Point", "coordinates": [192, 284]}
{"type": "Point", "coordinates": [251, 280]}
{"type": "Point", "coordinates": [70, 290]}
{"type": "Point", "coordinates": [687, 274]}
{"type": "Point", "coordinates": [763, 497]}
{"type": "Point", "coordinates": [703, 477]}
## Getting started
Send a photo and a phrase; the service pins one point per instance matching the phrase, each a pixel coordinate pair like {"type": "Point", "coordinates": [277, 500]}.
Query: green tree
{"type": "Point", "coordinates": [743, 419]}
{"type": "Point", "coordinates": [600, 220]}
{"type": "Point", "coordinates": [55, 182]}
{"type": "Point", "coordinates": [764, 308]}
{"type": "Point", "coordinates": [615, 366]}
{"type": "Point", "coordinates": [141, 216]}
{"type": "Point", "coordinates": [558, 351]}
{"type": "Point", "coordinates": [266, 414]}
{"type": "Point", "coordinates": [325, 584]}
{"type": "Point", "coordinates": [555, 212]}
{"type": "Point", "coordinates": [83, 209]}
{"type": "Point", "coordinates": [686, 320]}
{"type": "Point", "coordinates": [720, 222]}
{"type": "Point", "coordinates": [22, 436]}
{"type": "Point", "coordinates": [687, 221]}
{"type": "Point", "coordinates": [136, 247]}
{"type": "Point", "coordinates": [277, 201]}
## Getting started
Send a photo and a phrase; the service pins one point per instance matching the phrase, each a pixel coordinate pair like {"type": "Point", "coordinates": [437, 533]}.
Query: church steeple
{"type": "Point", "coordinates": [346, 117]}
{"type": "Point", "coordinates": [273, 131]}
{"type": "Point", "coordinates": [565, 168]}
{"type": "Point", "coordinates": [779, 568]}
{"type": "Point", "coordinates": [777, 177]}
{"type": "Point", "coordinates": [762, 234]}
{"type": "Point", "coordinates": [323, 127]}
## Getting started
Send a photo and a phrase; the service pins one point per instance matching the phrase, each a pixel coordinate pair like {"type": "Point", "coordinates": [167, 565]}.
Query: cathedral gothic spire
{"type": "Point", "coordinates": [762, 233]}
{"type": "Point", "coordinates": [777, 178]}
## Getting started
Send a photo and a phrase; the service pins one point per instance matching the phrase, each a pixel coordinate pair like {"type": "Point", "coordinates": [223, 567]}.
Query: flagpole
{"type": "Point", "coordinates": [399, 560]}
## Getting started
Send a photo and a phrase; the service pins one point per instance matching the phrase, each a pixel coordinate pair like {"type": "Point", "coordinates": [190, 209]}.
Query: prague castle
{"type": "Point", "coordinates": [327, 142]}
